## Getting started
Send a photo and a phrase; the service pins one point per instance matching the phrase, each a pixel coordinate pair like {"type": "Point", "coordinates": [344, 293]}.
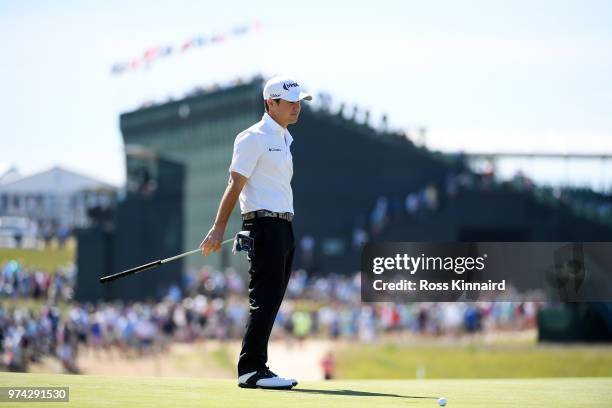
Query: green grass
{"type": "Point", "coordinates": [48, 259]}
{"type": "Point", "coordinates": [31, 304]}
{"type": "Point", "coordinates": [444, 361]}
{"type": "Point", "coordinates": [146, 392]}
{"type": "Point", "coordinates": [222, 357]}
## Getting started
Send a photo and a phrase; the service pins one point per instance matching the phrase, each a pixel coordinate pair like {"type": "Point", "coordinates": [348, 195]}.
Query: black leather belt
{"type": "Point", "coordinates": [287, 216]}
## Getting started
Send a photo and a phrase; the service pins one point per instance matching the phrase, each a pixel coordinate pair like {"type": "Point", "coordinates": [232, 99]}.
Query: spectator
{"type": "Point", "coordinates": [328, 364]}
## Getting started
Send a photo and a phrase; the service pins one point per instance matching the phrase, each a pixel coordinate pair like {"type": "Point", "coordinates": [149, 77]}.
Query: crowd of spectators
{"type": "Point", "coordinates": [426, 200]}
{"type": "Point", "coordinates": [17, 281]}
{"type": "Point", "coordinates": [213, 305]}
{"type": "Point", "coordinates": [23, 232]}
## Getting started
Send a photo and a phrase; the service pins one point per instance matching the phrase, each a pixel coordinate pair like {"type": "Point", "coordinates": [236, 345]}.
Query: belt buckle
{"type": "Point", "coordinates": [287, 216]}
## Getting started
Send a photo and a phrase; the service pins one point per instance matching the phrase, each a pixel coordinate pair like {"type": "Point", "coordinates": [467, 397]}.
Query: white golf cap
{"type": "Point", "coordinates": [284, 87]}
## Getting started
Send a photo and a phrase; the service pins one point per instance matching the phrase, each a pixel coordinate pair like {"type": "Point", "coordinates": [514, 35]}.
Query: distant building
{"type": "Point", "coordinates": [9, 175]}
{"type": "Point", "coordinates": [57, 196]}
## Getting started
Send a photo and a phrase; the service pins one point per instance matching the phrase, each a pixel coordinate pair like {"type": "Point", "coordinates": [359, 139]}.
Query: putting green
{"type": "Point", "coordinates": [110, 392]}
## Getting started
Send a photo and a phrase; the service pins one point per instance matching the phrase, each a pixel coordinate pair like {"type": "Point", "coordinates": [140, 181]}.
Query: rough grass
{"type": "Point", "coordinates": [484, 361]}
{"type": "Point", "coordinates": [47, 260]}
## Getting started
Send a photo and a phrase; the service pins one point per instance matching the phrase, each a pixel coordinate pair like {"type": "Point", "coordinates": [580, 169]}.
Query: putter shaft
{"type": "Point", "coordinates": [153, 264]}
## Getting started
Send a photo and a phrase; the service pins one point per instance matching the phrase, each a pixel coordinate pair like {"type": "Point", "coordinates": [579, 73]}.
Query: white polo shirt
{"type": "Point", "coordinates": [262, 154]}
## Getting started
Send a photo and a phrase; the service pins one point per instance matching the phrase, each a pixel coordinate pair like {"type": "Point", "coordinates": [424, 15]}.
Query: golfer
{"type": "Point", "coordinates": [260, 176]}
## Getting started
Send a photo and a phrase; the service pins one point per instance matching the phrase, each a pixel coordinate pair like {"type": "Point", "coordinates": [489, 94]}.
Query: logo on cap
{"type": "Point", "coordinates": [286, 86]}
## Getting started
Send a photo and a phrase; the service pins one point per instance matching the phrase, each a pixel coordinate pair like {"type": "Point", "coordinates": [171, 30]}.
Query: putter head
{"type": "Point", "coordinates": [244, 242]}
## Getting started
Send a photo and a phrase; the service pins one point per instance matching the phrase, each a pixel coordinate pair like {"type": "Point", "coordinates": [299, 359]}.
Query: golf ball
{"type": "Point", "coordinates": [442, 401]}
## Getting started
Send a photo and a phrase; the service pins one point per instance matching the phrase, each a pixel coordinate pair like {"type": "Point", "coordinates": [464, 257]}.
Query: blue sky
{"type": "Point", "coordinates": [480, 75]}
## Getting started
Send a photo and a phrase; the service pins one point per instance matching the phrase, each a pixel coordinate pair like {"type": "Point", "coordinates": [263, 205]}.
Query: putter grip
{"type": "Point", "coordinates": [137, 269]}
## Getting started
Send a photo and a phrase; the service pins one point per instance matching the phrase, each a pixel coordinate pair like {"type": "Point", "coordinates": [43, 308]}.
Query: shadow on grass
{"type": "Point", "coordinates": [352, 393]}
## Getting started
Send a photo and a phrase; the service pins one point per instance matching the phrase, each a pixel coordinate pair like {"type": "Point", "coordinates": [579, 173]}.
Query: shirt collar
{"type": "Point", "coordinates": [272, 124]}
{"type": "Point", "coordinates": [275, 128]}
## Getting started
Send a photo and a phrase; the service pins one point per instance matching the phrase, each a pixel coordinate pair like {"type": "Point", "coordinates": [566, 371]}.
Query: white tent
{"type": "Point", "coordinates": [56, 180]}
{"type": "Point", "coordinates": [57, 194]}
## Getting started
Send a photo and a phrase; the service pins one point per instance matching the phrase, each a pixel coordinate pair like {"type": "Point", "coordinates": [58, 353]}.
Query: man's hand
{"type": "Point", "coordinates": [212, 241]}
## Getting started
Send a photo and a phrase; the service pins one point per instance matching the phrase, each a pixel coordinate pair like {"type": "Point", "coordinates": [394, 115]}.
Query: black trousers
{"type": "Point", "coordinates": [270, 271]}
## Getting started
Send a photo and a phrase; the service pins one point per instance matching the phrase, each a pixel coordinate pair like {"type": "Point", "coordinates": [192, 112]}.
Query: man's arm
{"type": "Point", "coordinates": [212, 241]}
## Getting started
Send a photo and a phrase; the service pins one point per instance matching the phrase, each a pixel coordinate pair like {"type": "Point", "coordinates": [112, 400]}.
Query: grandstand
{"type": "Point", "coordinates": [343, 171]}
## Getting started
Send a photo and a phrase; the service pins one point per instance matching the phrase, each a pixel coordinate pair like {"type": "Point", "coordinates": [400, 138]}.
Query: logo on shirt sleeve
{"type": "Point", "coordinates": [270, 149]}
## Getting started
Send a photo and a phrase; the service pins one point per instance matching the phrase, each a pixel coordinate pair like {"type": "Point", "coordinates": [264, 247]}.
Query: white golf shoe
{"type": "Point", "coordinates": [293, 380]}
{"type": "Point", "coordinates": [265, 379]}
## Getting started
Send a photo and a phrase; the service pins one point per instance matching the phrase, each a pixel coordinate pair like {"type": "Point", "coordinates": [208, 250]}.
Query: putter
{"type": "Point", "coordinates": [242, 242]}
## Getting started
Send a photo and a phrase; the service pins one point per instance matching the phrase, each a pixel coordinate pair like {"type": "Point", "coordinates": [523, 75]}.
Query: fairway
{"type": "Point", "coordinates": [111, 392]}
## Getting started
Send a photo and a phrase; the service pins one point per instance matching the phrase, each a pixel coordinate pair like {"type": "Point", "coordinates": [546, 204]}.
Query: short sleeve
{"type": "Point", "coordinates": [246, 153]}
